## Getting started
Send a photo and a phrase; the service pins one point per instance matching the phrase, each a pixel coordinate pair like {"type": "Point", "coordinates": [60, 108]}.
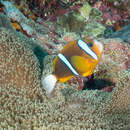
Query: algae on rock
{"type": "Point", "coordinates": [85, 11]}
{"type": "Point", "coordinates": [72, 22]}
{"type": "Point", "coordinates": [93, 29]}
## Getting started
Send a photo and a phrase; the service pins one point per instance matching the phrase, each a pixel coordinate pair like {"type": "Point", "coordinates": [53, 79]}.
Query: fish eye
{"type": "Point", "coordinates": [90, 44]}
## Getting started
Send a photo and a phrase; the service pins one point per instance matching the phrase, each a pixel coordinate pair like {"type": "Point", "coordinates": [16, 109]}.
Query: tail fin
{"type": "Point", "coordinates": [49, 84]}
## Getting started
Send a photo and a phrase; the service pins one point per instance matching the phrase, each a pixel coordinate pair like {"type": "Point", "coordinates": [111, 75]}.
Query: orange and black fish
{"type": "Point", "coordinates": [77, 58]}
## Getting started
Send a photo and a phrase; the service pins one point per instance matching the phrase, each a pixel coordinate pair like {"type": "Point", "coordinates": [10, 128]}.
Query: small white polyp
{"type": "Point", "coordinates": [49, 84]}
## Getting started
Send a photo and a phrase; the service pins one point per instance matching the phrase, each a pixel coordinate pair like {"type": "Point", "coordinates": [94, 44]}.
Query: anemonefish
{"type": "Point", "coordinates": [77, 58]}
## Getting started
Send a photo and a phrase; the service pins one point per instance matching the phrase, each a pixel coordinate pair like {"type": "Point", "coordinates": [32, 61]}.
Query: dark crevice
{"type": "Point", "coordinates": [98, 84]}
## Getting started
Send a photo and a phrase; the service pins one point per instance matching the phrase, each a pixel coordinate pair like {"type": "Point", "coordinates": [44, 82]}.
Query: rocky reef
{"type": "Point", "coordinates": [26, 58]}
{"type": "Point", "coordinates": [123, 33]}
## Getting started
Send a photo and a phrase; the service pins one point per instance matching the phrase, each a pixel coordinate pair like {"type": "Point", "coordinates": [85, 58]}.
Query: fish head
{"type": "Point", "coordinates": [91, 47]}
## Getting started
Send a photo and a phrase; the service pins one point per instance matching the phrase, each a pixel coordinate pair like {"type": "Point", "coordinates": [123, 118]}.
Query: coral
{"type": "Point", "coordinates": [4, 22]}
{"type": "Point", "coordinates": [69, 109]}
{"type": "Point", "coordinates": [24, 8]}
{"type": "Point", "coordinates": [12, 12]}
{"type": "Point", "coordinates": [16, 26]}
{"type": "Point", "coordinates": [115, 12]}
{"type": "Point", "coordinates": [17, 17]}
{"type": "Point", "coordinates": [70, 37]}
{"type": "Point", "coordinates": [89, 110]}
{"type": "Point", "coordinates": [27, 26]}
{"type": "Point", "coordinates": [123, 33]}
{"type": "Point", "coordinates": [23, 103]}
{"type": "Point", "coordinates": [71, 21]}
{"type": "Point", "coordinates": [85, 11]}
{"type": "Point", "coordinates": [93, 29]}
{"type": "Point", "coordinates": [95, 14]}
{"type": "Point", "coordinates": [121, 95]}
{"type": "Point", "coordinates": [114, 60]}
{"type": "Point", "coordinates": [18, 64]}
{"type": "Point", "coordinates": [22, 22]}
{"type": "Point", "coordinates": [52, 9]}
{"type": "Point", "coordinates": [117, 109]}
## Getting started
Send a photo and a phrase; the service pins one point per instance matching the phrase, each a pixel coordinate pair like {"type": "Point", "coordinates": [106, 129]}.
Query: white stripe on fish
{"type": "Point", "coordinates": [85, 47]}
{"type": "Point", "coordinates": [67, 63]}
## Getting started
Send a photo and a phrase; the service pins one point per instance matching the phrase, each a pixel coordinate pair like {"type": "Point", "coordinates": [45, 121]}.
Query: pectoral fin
{"type": "Point", "coordinates": [82, 65]}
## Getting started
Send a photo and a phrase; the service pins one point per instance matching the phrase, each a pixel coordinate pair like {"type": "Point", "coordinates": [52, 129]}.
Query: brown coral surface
{"type": "Point", "coordinates": [69, 109]}
{"type": "Point", "coordinates": [18, 65]}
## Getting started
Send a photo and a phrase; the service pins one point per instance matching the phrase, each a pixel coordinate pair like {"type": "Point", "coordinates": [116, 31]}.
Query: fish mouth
{"type": "Point", "coordinates": [99, 44]}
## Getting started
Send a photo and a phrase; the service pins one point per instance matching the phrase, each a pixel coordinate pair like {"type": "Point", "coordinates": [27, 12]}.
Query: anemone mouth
{"type": "Point", "coordinates": [99, 44]}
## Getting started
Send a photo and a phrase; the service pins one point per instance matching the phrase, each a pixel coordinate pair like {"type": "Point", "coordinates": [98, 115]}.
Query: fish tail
{"type": "Point", "coordinates": [49, 84]}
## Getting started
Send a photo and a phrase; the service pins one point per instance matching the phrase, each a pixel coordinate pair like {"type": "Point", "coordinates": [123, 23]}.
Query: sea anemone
{"type": "Point", "coordinates": [18, 64]}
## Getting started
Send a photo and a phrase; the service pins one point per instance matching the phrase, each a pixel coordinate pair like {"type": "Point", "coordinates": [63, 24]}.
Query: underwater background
{"type": "Point", "coordinates": [32, 33]}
